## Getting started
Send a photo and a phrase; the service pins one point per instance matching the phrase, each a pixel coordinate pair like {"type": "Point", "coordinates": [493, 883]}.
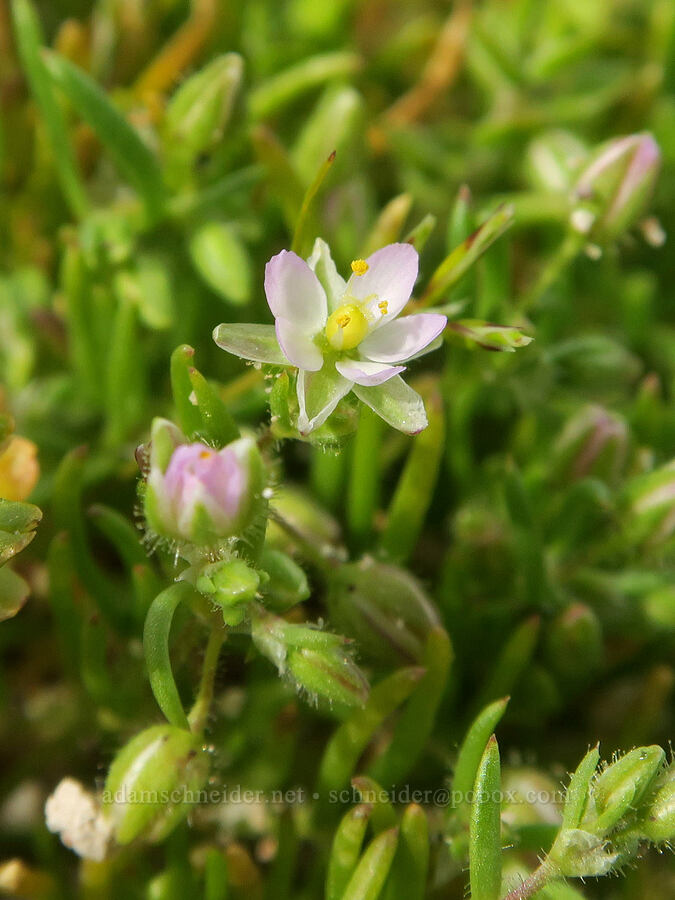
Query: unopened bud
{"type": "Point", "coordinates": [574, 644]}
{"type": "Point", "coordinates": [621, 787]}
{"type": "Point", "coordinates": [300, 509]}
{"type": "Point", "coordinates": [553, 160]}
{"type": "Point", "coordinates": [488, 336]}
{"type": "Point", "coordinates": [617, 184]}
{"type": "Point", "coordinates": [153, 782]}
{"type": "Point", "coordinates": [286, 582]}
{"type": "Point", "coordinates": [198, 494]}
{"type": "Point", "coordinates": [200, 109]}
{"type": "Point", "coordinates": [650, 504]}
{"type": "Point", "coordinates": [315, 661]}
{"type": "Point", "coordinates": [384, 609]}
{"type": "Point", "coordinates": [658, 822]}
{"type": "Point", "coordinates": [593, 443]}
{"type": "Point", "coordinates": [232, 585]}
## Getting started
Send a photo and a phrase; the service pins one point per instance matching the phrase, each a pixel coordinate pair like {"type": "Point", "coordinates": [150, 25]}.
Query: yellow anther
{"type": "Point", "coordinates": [359, 266]}
{"type": "Point", "coordinates": [346, 327]}
{"type": "Point", "coordinates": [383, 307]}
{"type": "Point", "coordinates": [205, 454]}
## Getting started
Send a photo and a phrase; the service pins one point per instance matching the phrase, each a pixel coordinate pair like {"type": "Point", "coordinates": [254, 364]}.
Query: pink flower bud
{"type": "Point", "coordinates": [197, 493]}
{"type": "Point", "coordinates": [618, 183]}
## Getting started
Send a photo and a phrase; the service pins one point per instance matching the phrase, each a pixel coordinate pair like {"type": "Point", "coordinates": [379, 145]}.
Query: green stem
{"type": "Point", "coordinates": [566, 252]}
{"type": "Point", "coordinates": [199, 713]}
{"type": "Point", "coordinates": [534, 883]}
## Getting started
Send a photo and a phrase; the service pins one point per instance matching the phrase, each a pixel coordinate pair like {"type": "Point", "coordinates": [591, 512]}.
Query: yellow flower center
{"type": "Point", "coordinates": [346, 327]}
{"type": "Point", "coordinates": [359, 266]}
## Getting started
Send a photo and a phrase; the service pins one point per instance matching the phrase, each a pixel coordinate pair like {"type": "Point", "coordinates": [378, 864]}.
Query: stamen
{"type": "Point", "coordinates": [359, 266]}
{"type": "Point", "coordinates": [205, 454]}
{"type": "Point", "coordinates": [383, 307]}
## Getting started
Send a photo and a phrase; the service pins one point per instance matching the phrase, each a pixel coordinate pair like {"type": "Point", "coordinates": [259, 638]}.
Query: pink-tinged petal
{"type": "Point", "coordinates": [362, 371]}
{"type": "Point", "coordinates": [390, 278]}
{"type": "Point", "coordinates": [299, 348]}
{"type": "Point", "coordinates": [318, 395]}
{"type": "Point", "coordinates": [294, 292]}
{"type": "Point", "coordinates": [400, 340]}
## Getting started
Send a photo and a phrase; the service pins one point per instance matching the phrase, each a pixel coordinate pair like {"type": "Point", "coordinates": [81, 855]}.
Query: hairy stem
{"type": "Point", "coordinates": [535, 882]}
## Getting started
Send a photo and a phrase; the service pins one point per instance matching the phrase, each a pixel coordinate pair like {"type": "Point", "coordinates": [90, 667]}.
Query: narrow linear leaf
{"type": "Point", "coordinates": [371, 873]}
{"type": "Point", "coordinates": [415, 487]}
{"type": "Point", "coordinates": [188, 414]}
{"type": "Point", "coordinates": [389, 224]}
{"type": "Point", "coordinates": [131, 155]}
{"type": "Point", "coordinates": [382, 813]}
{"type": "Point", "coordinates": [485, 848]}
{"type": "Point", "coordinates": [363, 489]}
{"type": "Point", "coordinates": [275, 93]}
{"type": "Point", "coordinates": [473, 747]}
{"type": "Point", "coordinates": [121, 534]}
{"type": "Point", "coordinates": [408, 878]}
{"type": "Point", "coordinates": [515, 656]}
{"type": "Point", "coordinates": [576, 796]}
{"type": "Point", "coordinates": [215, 876]}
{"type": "Point", "coordinates": [301, 241]}
{"type": "Point", "coordinates": [465, 255]}
{"type": "Point", "coordinates": [419, 714]}
{"type": "Point", "coordinates": [352, 737]}
{"type": "Point", "coordinates": [29, 41]}
{"type": "Point", "coordinates": [156, 648]}
{"type": "Point", "coordinates": [346, 849]}
{"type": "Point", "coordinates": [218, 425]}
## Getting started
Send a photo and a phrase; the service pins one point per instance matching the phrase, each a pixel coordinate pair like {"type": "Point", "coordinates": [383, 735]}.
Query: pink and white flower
{"type": "Point", "coordinates": [342, 335]}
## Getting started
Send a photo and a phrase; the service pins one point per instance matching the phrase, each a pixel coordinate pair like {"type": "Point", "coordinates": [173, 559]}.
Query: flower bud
{"type": "Point", "coordinates": [574, 644]}
{"type": "Point", "coordinates": [488, 336]}
{"type": "Point", "coordinates": [650, 505]}
{"type": "Point", "coordinates": [316, 661]}
{"type": "Point", "coordinates": [553, 160]}
{"type": "Point", "coordinates": [621, 787]}
{"type": "Point", "coordinates": [301, 510]}
{"type": "Point", "coordinates": [153, 782]}
{"type": "Point", "coordinates": [384, 609]}
{"type": "Point", "coordinates": [617, 184]}
{"type": "Point", "coordinates": [200, 109]}
{"type": "Point", "coordinates": [286, 582]}
{"type": "Point", "coordinates": [658, 822]}
{"type": "Point", "coordinates": [232, 585]}
{"type": "Point", "coordinates": [593, 443]}
{"type": "Point", "coordinates": [198, 494]}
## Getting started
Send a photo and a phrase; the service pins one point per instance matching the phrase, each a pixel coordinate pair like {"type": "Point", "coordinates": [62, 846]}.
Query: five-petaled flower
{"type": "Point", "coordinates": [342, 336]}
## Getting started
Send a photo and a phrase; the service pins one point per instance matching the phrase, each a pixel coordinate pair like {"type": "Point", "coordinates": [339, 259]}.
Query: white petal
{"type": "Point", "coordinates": [294, 292]}
{"type": "Point", "coordinates": [256, 342]}
{"type": "Point", "coordinates": [390, 279]}
{"type": "Point", "coordinates": [332, 282]}
{"type": "Point", "coordinates": [318, 395]}
{"type": "Point", "coordinates": [397, 403]}
{"type": "Point", "coordinates": [364, 372]}
{"type": "Point", "coordinates": [403, 338]}
{"type": "Point", "coordinates": [298, 347]}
